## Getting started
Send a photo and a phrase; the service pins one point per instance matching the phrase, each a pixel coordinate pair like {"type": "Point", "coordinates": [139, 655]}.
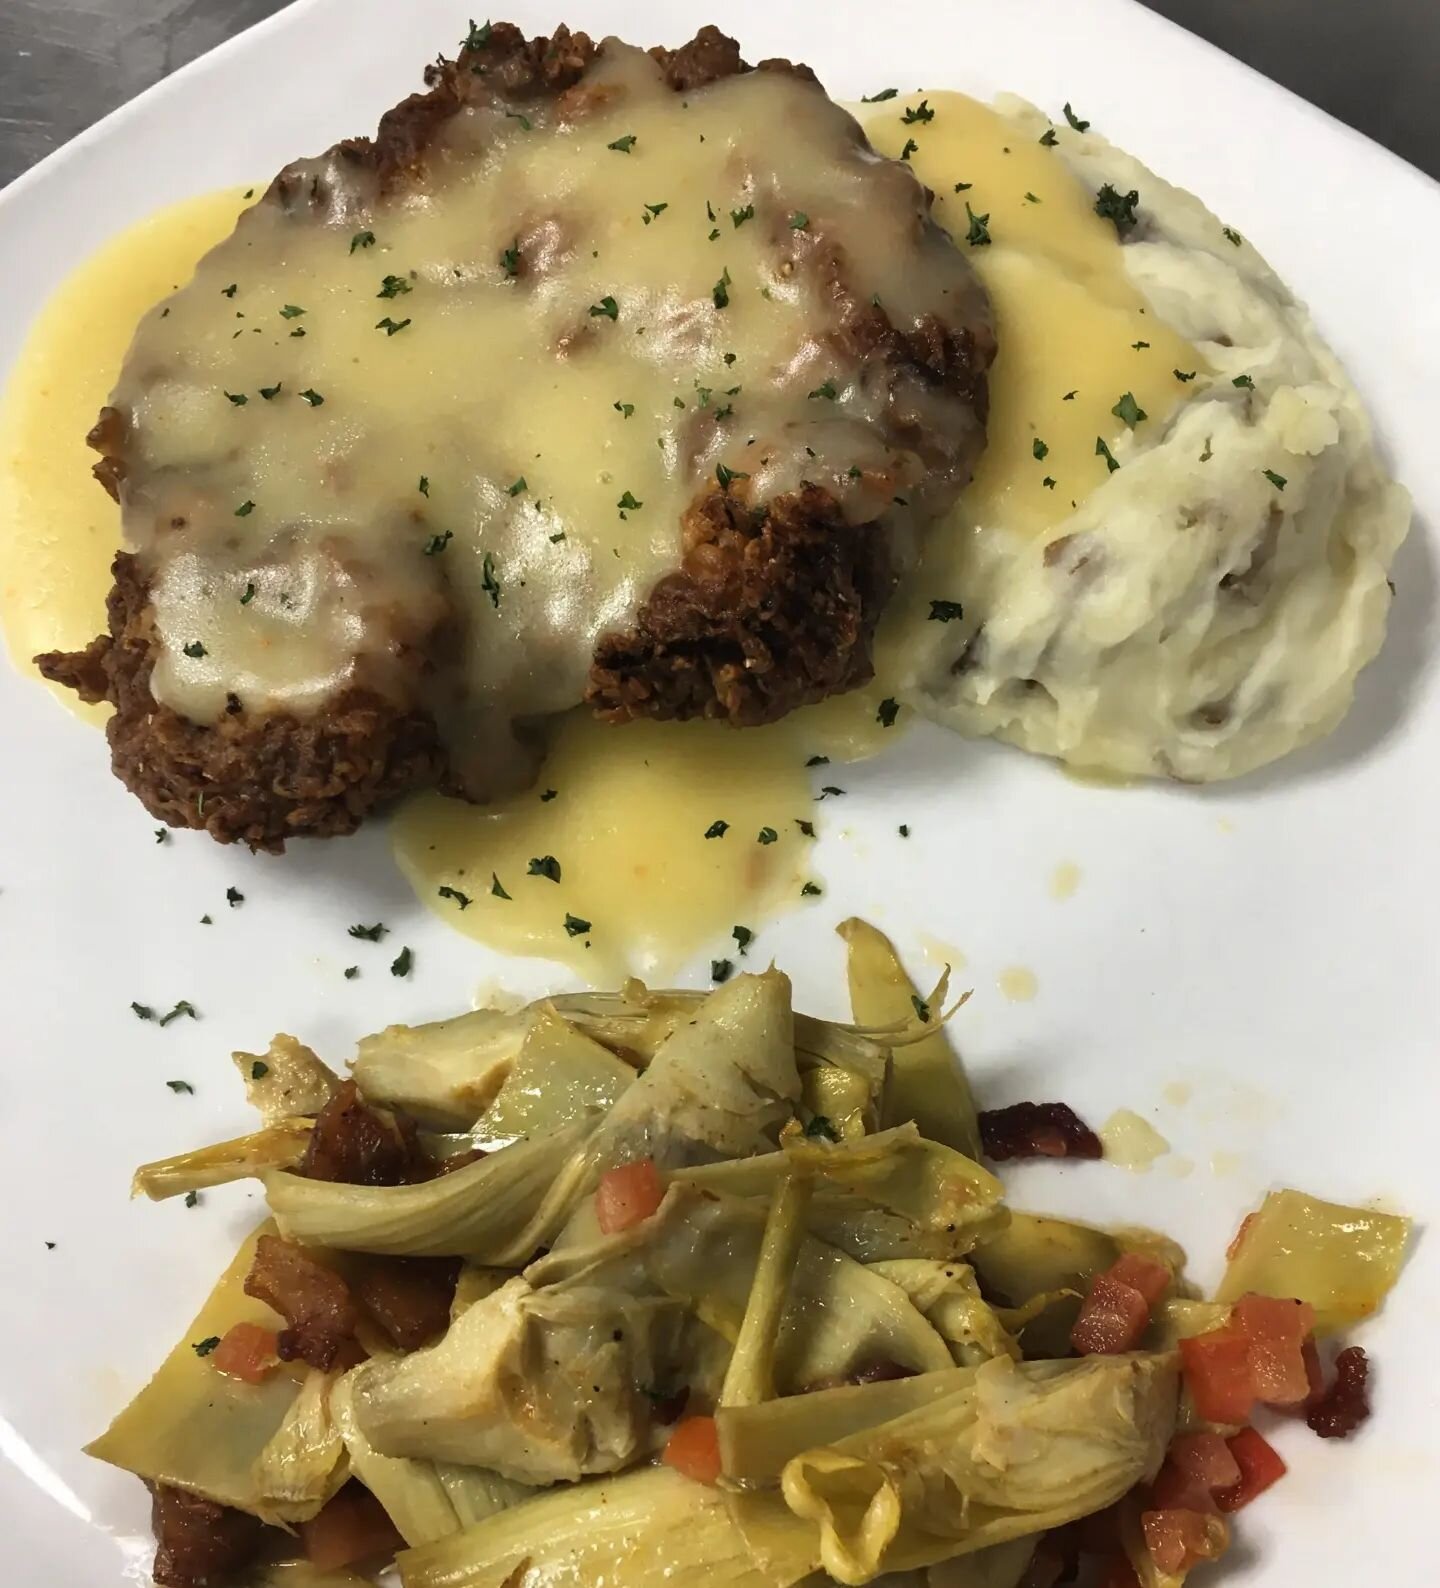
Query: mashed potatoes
{"type": "Point", "coordinates": [1174, 561]}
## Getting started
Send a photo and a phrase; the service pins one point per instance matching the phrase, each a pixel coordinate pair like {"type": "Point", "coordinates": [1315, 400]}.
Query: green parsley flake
{"type": "Point", "coordinates": [497, 888]}
{"type": "Point", "coordinates": [979, 234]}
{"type": "Point", "coordinates": [268, 392]}
{"type": "Point", "coordinates": [544, 866]}
{"type": "Point", "coordinates": [911, 147]}
{"type": "Point", "coordinates": [810, 890]}
{"type": "Point", "coordinates": [1048, 138]}
{"type": "Point", "coordinates": [766, 835]}
{"type": "Point", "coordinates": [311, 396]}
{"type": "Point", "coordinates": [238, 398]}
{"type": "Point", "coordinates": [403, 962]}
{"type": "Point", "coordinates": [574, 926]}
{"type": "Point", "coordinates": [437, 543]}
{"type": "Point", "coordinates": [606, 309]}
{"type": "Point", "coordinates": [875, 99]}
{"type": "Point", "coordinates": [825, 389]}
{"type": "Point", "coordinates": [624, 409]}
{"type": "Point", "coordinates": [291, 311]}
{"type": "Point", "coordinates": [362, 240]}
{"type": "Point", "coordinates": [1102, 451]}
{"type": "Point", "coordinates": [921, 112]}
{"type": "Point", "coordinates": [1183, 375]}
{"type": "Point", "coordinates": [717, 829]}
{"type": "Point", "coordinates": [739, 217]}
{"type": "Point", "coordinates": [515, 488]}
{"type": "Point", "coordinates": [808, 828]}
{"type": "Point", "coordinates": [1112, 205]}
{"type": "Point", "coordinates": [259, 1070]}
{"type": "Point", "coordinates": [1038, 449]}
{"type": "Point", "coordinates": [886, 713]}
{"type": "Point", "coordinates": [1277, 480]}
{"type": "Point", "coordinates": [1129, 410]}
{"type": "Point", "coordinates": [921, 1007]}
{"type": "Point", "coordinates": [206, 1346]}
{"type": "Point", "coordinates": [392, 287]}
{"type": "Point", "coordinates": [245, 509]}
{"type": "Point", "coordinates": [1244, 382]}
{"type": "Point", "coordinates": [234, 897]}
{"type": "Point", "coordinates": [389, 326]}
{"type": "Point", "coordinates": [510, 259]}
{"type": "Point", "coordinates": [351, 972]}
{"type": "Point", "coordinates": [424, 486]}
{"type": "Point", "coordinates": [903, 829]}
{"type": "Point", "coordinates": [945, 611]}
{"type": "Point", "coordinates": [623, 145]}
{"type": "Point", "coordinates": [488, 582]}
{"type": "Point", "coordinates": [628, 504]}
{"type": "Point", "coordinates": [194, 648]}
{"type": "Point", "coordinates": [725, 475]}
{"type": "Point", "coordinates": [720, 970]}
{"type": "Point", "coordinates": [162, 835]}
{"type": "Point", "coordinates": [799, 221]}
{"type": "Point", "coordinates": [743, 938]}
{"type": "Point", "coordinates": [371, 934]}
{"type": "Point", "coordinates": [184, 1007]}
{"type": "Point", "coordinates": [819, 1128]}
{"type": "Point", "coordinates": [180, 1086]}
{"type": "Point", "coordinates": [829, 791]}
{"type": "Point", "coordinates": [720, 292]}
{"type": "Point", "coordinates": [462, 899]}
{"type": "Point", "coordinates": [652, 210]}
{"type": "Point", "coordinates": [143, 1011]}
{"type": "Point", "coordinates": [1074, 120]}
{"type": "Point", "coordinates": [192, 1199]}
{"type": "Point", "coordinates": [1231, 235]}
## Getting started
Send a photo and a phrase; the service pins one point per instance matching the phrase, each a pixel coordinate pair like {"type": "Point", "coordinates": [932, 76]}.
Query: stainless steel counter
{"type": "Point", "coordinates": [64, 63]}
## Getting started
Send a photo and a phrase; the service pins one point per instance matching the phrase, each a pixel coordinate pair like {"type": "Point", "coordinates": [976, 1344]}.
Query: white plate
{"type": "Point", "coordinates": [1275, 944]}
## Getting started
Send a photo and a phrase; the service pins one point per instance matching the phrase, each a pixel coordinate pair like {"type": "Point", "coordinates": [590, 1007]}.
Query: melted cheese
{"type": "Point", "coordinates": [469, 417]}
{"type": "Point", "coordinates": [58, 528]}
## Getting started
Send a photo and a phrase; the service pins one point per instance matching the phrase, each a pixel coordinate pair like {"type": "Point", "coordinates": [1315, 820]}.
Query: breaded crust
{"type": "Point", "coordinates": [772, 607]}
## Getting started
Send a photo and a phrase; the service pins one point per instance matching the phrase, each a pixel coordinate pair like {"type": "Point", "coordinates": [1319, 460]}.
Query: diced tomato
{"type": "Point", "coordinates": [1196, 1466]}
{"type": "Point", "coordinates": [248, 1351]}
{"type": "Point", "coordinates": [694, 1449]}
{"type": "Point", "coordinates": [1217, 1374]}
{"type": "Point", "coordinates": [1276, 1331]}
{"type": "Point", "coordinates": [1178, 1540]}
{"type": "Point", "coordinates": [627, 1195]}
{"type": "Point", "coordinates": [1112, 1319]}
{"type": "Point", "coordinates": [1259, 1464]}
{"type": "Point", "coordinates": [1145, 1274]}
{"type": "Point", "coordinates": [1232, 1251]}
{"type": "Point", "coordinates": [352, 1526]}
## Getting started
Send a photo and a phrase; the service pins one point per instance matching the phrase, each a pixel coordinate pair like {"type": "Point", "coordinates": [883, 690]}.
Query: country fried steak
{"type": "Point", "coordinates": [595, 376]}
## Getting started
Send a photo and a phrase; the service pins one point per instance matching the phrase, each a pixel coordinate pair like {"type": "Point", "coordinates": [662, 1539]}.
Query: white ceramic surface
{"type": "Point", "coordinates": [1272, 944]}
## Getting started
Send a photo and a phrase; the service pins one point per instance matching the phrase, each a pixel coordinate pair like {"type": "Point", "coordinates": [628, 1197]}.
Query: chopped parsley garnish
{"type": "Point", "coordinates": [606, 309]}
{"type": "Point", "coordinates": [810, 890]}
{"type": "Point", "coordinates": [1138, 346]}
{"type": "Point", "coordinates": [180, 1086]}
{"type": "Point", "coordinates": [945, 611]}
{"type": "Point", "coordinates": [1070, 396]}
{"type": "Point", "coordinates": [544, 866]}
{"type": "Point", "coordinates": [743, 938]}
{"type": "Point", "coordinates": [574, 926]}
{"type": "Point", "coordinates": [829, 791]}
{"type": "Point", "coordinates": [230, 291]}
{"type": "Point", "coordinates": [497, 888]}
{"type": "Point", "coordinates": [403, 962]}
{"type": "Point", "coordinates": [717, 829]}
{"type": "Point", "coordinates": [1102, 451]}
{"type": "Point", "coordinates": [628, 504]}
{"type": "Point", "coordinates": [1038, 449]}
{"type": "Point", "coordinates": [1129, 410]}
{"type": "Point", "coordinates": [720, 970]}
{"type": "Point", "coordinates": [1031, 199]}
{"type": "Point", "coordinates": [875, 99]}
{"type": "Point", "coordinates": [477, 37]}
{"type": "Point", "coordinates": [245, 509]}
{"type": "Point", "coordinates": [652, 210]}
{"type": "Point", "coordinates": [799, 221]}
{"type": "Point", "coordinates": [389, 326]}
{"type": "Point", "coordinates": [521, 117]}
{"type": "Point", "coordinates": [1113, 205]}
{"type": "Point", "coordinates": [903, 829]}
{"type": "Point", "coordinates": [259, 1070]}
{"type": "Point", "coordinates": [392, 287]}
{"type": "Point", "coordinates": [1183, 375]}
{"type": "Point", "coordinates": [720, 292]}
{"type": "Point", "coordinates": [206, 1346]}
{"type": "Point", "coordinates": [162, 835]}
{"type": "Point", "coordinates": [818, 760]}
{"type": "Point", "coordinates": [624, 409]}
{"type": "Point", "coordinates": [311, 396]}
{"type": "Point", "coordinates": [362, 240]}
{"type": "Point", "coordinates": [1277, 480]}
{"type": "Point", "coordinates": [1243, 381]}
{"type": "Point", "coordinates": [206, 921]}
{"type": "Point", "coordinates": [238, 398]}
{"type": "Point", "coordinates": [184, 1007]}
{"type": "Point", "coordinates": [920, 112]}
{"type": "Point", "coordinates": [1207, 454]}
{"type": "Point", "coordinates": [351, 972]}
{"type": "Point", "coordinates": [963, 187]}
{"type": "Point", "coordinates": [1074, 120]}
{"type": "Point", "coordinates": [516, 486]}
{"type": "Point", "coordinates": [979, 234]}
{"type": "Point", "coordinates": [808, 828]}
{"type": "Point", "coordinates": [766, 835]}
{"type": "Point", "coordinates": [462, 899]}
{"type": "Point", "coordinates": [192, 1199]}
{"type": "Point", "coordinates": [1049, 482]}
{"type": "Point", "coordinates": [194, 648]}
{"type": "Point", "coordinates": [819, 1128]}
{"type": "Point", "coordinates": [424, 486]}
{"type": "Point", "coordinates": [269, 392]}
{"type": "Point", "coordinates": [548, 795]}
{"type": "Point", "coordinates": [437, 543]}
{"type": "Point", "coordinates": [886, 713]}
{"type": "Point", "coordinates": [911, 147]}
{"type": "Point", "coordinates": [739, 217]}
{"type": "Point", "coordinates": [488, 582]}
{"type": "Point", "coordinates": [1048, 138]}
{"type": "Point", "coordinates": [290, 311]}
{"type": "Point", "coordinates": [371, 934]}
{"type": "Point", "coordinates": [825, 389]}
{"type": "Point", "coordinates": [1231, 235]}
{"type": "Point", "coordinates": [623, 145]}
{"type": "Point", "coordinates": [921, 1007]}
{"type": "Point", "coordinates": [556, 539]}
{"type": "Point", "coordinates": [234, 897]}
{"type": "Point", "coordinates": [725, 476]}
{"type": "Point", "coordinates": [143, 1011]}
{"type": "Point", "coordinates": [510, 259]}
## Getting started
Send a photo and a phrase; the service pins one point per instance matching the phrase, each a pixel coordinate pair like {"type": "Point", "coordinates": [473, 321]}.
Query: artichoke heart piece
{"type": "Point", "coordinates": [948, 1294]}
{"type": "Point", "coordinates": [446, 1073]}
{"type": "Point", "coordinates": [927, 1079]}
{"type": "Point", "coordinates": [414, 1497]}
{"type": "Point", "coordinates": [285, 1081]}
{"type": "Point", "coordinates": [1021, 1449]}
{"type": "Point", "coordinates": [305, 1461]}
{"type": "Point", "coordinates": [195, 1428]}
{"type": "Point", "coordinates": [277, 1146]}
{"type": "Point", "coordinates": [497, 1210]}
{"type": "Point", "coordinates": [1342, 1260]}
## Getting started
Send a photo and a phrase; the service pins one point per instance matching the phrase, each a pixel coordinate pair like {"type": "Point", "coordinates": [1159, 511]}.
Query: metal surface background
{"type": "Point", "coordinates": [65, 63]}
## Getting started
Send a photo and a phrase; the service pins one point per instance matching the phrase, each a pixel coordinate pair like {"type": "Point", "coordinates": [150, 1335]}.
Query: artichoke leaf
{"type": "Point", "coordinates": [1342, 1260]}
{"type": "Point", "coordinates": [927, 1078]}
{"type": "Point", "coordinates": [198, 1429]}
{"type": "Point", "coordinates": [446, 1073]}
{"type": "Point", "coordinates": [948, 1294]}
{"type": "Point", "coordinates": [495, 1210]}
{"type": "Point", "coordinates": [559, 1076]}
{"type": "Point", "coordinates": [412, 1493]}
{"type": "Point", "coordinates": [750, 1378]}
{"type": "Point", "coordinates": [1023, 1448]}
{"type": "Point", "coordinates": [651, 1528]}
{"type": "Point", "coordinates": [277, 1146]}
{"type": "Point", "coordinates": [301, 1574]}
{"type": "Point", "coordinates": [477, 1493]}
{"type": "Point", "coordinates": [285, 1081]}
{"type": "Point", "coordinates": [305, 1460]}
